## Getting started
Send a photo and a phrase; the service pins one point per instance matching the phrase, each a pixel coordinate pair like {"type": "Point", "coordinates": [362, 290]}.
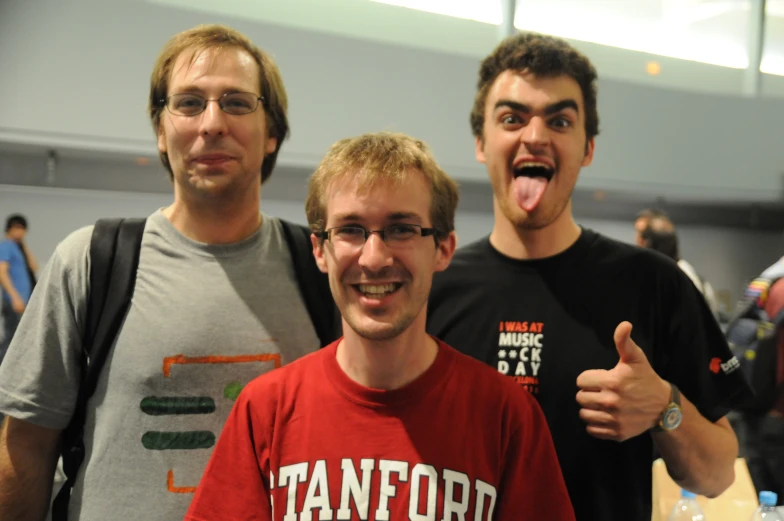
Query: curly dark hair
{"type": "Point", "coordinates": [544, 56]}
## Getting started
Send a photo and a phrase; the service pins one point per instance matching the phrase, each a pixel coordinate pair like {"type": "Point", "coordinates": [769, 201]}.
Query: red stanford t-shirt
{"type": "Point", "coordinates": [461, 442]}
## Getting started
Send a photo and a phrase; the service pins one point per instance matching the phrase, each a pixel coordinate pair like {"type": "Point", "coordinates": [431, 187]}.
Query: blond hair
{"type": "Point", "coordinates": [205, 37]}
{"type": "Point", "coordinates": [372, 159]}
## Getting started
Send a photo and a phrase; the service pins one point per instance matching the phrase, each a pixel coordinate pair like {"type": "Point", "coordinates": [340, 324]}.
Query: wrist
{"type": "Point", "coordinates": [671, 414]}
{"type": "Point", "coordinates": [665, 394]}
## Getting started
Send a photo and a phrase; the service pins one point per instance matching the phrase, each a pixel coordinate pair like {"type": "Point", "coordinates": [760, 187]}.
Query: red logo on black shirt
{"type": "Point", "coordinates": [730, 366]}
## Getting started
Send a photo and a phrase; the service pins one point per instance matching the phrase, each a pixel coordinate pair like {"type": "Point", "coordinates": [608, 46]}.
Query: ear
{"type": "Point", "coordinates": [445, 251]}
{"type": "Point", "coordinates": [318, 252]}
{"type": "Point", "coordinates": [269, 146]}
{"type": "Point", "coordinates": [161, 140]}
{"type": "Point", "coordinates": [479, 145]}
{"type": "Point", "coordinates": [588, 159]}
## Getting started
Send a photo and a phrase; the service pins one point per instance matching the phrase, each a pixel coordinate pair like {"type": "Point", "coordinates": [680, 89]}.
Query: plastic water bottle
{"type": "Point", "coordinates": [767, 508]}
{"type": "Point", "coordinates": [687, 508]}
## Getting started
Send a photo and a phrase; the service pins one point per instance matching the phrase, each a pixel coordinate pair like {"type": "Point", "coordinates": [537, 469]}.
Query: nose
{"type": "Point", "coordinates": [213, 120]}
{"type": "Point", "coordinates": [535, 134]}
{"type": "Point", "coordinates": [375, 254]}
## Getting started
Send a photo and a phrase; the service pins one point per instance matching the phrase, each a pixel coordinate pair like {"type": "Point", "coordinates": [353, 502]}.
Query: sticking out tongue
{"type": "Point", "coordinates": [529, 191]}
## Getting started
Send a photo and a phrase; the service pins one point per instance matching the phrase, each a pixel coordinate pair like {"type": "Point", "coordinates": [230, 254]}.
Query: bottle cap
{"type": "Point", "coordinates": [685, 494]}
{"type": "Point", "coordinates": [768, 498]}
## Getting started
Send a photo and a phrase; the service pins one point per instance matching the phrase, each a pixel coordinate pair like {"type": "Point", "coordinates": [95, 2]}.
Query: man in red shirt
{"type": "Point", "coordinates": [387, 422]}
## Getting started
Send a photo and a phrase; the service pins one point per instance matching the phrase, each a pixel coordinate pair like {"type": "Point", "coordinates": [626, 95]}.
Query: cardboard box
{"type": "Point", "coordinates": [737, 503]}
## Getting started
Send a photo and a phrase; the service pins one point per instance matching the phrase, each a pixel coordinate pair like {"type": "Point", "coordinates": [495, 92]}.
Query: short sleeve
{"type": "Point", "coordinates": [5, 251]}
{"type": "Point", "coordinates": [698, 358]}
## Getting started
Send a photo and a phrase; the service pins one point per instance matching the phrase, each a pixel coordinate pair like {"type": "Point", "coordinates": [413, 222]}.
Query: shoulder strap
{"type": "Point", "coordinates": [114, 256]}
{"type": "Point", "coordinates": [313, 284]}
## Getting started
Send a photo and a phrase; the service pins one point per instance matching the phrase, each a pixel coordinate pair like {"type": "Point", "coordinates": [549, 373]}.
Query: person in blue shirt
{"type": "Point", "coordinates": [17, 277]}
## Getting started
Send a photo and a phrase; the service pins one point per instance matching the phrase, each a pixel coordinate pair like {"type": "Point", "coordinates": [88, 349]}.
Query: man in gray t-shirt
{"type": "Point", "coordinates": [216, 303]}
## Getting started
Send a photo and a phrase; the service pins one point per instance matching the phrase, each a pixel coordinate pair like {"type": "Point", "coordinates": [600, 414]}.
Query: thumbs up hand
{"type": "Point", "coordinates": [628, 399]}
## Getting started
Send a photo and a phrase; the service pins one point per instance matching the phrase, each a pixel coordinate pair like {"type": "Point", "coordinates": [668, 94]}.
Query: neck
{"type": "Point", "coordinates": [524, 243]}
{"type": "Point", "coordinates": [219, 222]}
{"type": "Point", "coordinates": [387, 364]}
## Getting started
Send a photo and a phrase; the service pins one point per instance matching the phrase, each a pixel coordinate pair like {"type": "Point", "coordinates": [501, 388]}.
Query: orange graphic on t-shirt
{"type": "Point", "coordinates": [169, 361]}
{"type": "Point", "coordinates": [177, 490]}
{"type": "Point", "coordinates": [241, 359]}
{"type": "Point", "coordinates": [715, 365]}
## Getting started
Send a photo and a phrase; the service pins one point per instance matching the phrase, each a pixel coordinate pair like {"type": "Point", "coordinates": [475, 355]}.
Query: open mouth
{"type": "Point", "coordinates": [530, 181]}
{"type": "Point", "coordinates": [533, 170]}
{"type": "Point", "coordinates": [377, 291]}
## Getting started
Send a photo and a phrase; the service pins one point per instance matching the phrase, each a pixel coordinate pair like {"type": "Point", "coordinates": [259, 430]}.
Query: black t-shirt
{"type": "Point", "coordinates": [545, 321]}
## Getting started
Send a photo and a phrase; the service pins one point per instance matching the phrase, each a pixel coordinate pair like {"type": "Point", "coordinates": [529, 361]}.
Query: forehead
{"type": "Point", "coordinates": [641, 223]}
{"type": "Point", "coordinates": [357, 196]}
{"type": "Point", "coordinates": [215, 67]}
{"type": "Point", "coordinates": [534, 91]}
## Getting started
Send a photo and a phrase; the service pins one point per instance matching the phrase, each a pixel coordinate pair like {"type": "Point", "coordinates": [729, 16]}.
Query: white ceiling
{"type": "Point", "coordinates": [699, 44]}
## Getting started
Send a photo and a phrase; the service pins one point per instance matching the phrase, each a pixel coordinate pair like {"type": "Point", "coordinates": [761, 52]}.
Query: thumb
{"type": "Point", "coordinates": [627, 349]}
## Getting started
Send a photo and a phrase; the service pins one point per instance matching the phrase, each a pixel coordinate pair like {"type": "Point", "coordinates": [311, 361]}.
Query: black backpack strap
{"type": "Point", "coordinates": [313, 284]}
{"type": "Point", "coordinates": [114, 256]}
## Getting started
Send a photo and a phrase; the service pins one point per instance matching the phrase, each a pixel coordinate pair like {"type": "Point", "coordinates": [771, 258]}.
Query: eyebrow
{"type": "Point", "coordinates": [188, 89]}
{"type": "Point", "coordinates": [553, 108]}
{"type": "Point", "coordinates": [404, 216]}
{"type": "Point", "coordinates": [340, 220]}
{"type": "Point", "coordinates": [193, 89]}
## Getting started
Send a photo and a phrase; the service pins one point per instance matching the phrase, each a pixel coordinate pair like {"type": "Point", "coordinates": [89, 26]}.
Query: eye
{"type": "Point", "coordinates": [511, 119]}
{"type": "Point", "coordinates": [238, 102]}
{"type": "Point", "coordinates": [349, 232]}
{"type": "Point", "coordinates": [187, 101]}
{"type": "Point", "coordinates": [561, 122]}
{"type": "Point", "coordinates": [401, 232]}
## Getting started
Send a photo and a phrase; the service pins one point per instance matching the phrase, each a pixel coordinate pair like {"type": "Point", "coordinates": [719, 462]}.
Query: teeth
{"type": "Point", "coordinates": [533, 164]}
{"type": "Point", "coordinates": [374, 289]}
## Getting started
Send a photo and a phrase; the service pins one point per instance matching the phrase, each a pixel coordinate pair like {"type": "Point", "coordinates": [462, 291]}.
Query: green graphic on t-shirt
{"type": "Point", "coordinates": [232, 391]}
{"type": "Point", "coordinates": [163, 405]}
{"type": "Point", "coordinates": [187, 440]}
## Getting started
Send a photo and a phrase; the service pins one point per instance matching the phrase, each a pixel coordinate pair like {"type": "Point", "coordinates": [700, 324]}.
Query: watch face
{"type": "Point", "coordinates": [672, 418]}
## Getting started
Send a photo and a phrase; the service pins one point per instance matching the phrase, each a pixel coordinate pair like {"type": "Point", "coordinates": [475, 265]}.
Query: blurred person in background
{"type": "Point", "coordinates": [17, 277]}
{"type": "Point", "coordinates": [756, 334]}
{"type": "Point", "coordinates": [655, 230]}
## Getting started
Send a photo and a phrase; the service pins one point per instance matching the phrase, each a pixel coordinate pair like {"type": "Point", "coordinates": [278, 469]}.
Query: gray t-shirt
{"type": "Point", "coordinates": [203, 322]}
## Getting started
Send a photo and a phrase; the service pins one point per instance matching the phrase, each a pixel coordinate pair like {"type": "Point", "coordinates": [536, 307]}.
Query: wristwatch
{"type": "Point", "coordinates": [672, 415]}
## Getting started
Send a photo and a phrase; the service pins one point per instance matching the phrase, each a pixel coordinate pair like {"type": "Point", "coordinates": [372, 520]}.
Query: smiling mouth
{"type": "Point", "coordinates": [377, 291]}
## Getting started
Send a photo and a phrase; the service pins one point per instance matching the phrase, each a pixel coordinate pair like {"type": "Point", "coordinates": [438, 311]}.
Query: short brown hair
{"type": "Point", "coordinates": [371, 159]}
{"type": "Point", "coordinates": [651, 213]}
{"type": "Point", "coordinates": [543, 56]}
{"type": "Point", "coordinates": [205, 37]}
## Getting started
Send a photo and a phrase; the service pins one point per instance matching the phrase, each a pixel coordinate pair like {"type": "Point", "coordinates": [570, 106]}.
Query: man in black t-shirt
{"type": "Point", "coordinates": [614, 340]}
